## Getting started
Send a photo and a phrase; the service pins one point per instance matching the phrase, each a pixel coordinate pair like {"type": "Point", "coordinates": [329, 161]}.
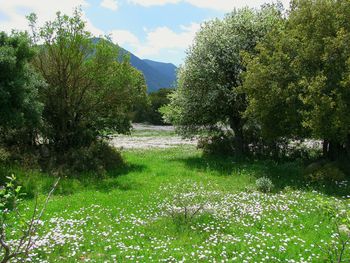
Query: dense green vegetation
{"type": "Point", "coordinates": [20, 108]}
{"type": "Point", "coordinates": [208, 94]}
{"type": "Point", "coordinates": [261, 90]}
{"type": "Point", "coordinates": [88, 90]}
{"type": "Point", "coordinates": [270, 76]}
{"type": "Point", "coordinates": [150, 113]}
{"type": "Point", "coordinates": [62, 91]}
{"type": "Point", "coordinates": [298, 84]}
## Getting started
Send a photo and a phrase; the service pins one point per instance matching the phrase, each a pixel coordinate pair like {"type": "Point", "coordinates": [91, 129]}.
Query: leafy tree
{"type": "Point", "coordinates": [150, 112]}
{"type": "Point", "coordinates": [20, 109]}
{"type": "Point", "coordinates": [208, 95]}
{"type": "Point", "coordinates": [159, 99]}
{"type": "Point", "coordinates": [89, 89]}
{"type": "Point", "coordinates": [298, 84]}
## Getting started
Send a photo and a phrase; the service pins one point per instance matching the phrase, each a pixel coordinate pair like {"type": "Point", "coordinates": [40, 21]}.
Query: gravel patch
{"type": "Point", "coordinates": [129, 142]}
{"type": "Point", "coordinates": [148, 140]}
{"type": "Point", "coordinates": [146, 127]}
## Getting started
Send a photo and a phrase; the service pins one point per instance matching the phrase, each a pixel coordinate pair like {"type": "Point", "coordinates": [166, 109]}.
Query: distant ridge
{"type": "Point", "coordinates": [167, 69]}
{"type": "Point", "coordinates": [157, 74]}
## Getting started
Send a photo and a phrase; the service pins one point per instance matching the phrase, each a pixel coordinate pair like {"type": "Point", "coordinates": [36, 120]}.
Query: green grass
{"type": "Point", "coordinates": [137, 212]}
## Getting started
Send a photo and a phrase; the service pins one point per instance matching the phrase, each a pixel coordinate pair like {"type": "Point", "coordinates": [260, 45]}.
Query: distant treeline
{"type": "Point", "coordinates": [149, 112]}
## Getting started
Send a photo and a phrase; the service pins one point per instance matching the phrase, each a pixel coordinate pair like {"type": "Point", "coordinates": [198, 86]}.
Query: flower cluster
{"type": "Point", "coordinates": [289, 226]}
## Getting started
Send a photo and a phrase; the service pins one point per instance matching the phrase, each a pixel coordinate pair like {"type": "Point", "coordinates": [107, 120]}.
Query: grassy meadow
{"type": "Point", "coordinates": [175, 205]}
{"type": "Point", "coordinates": [266, 87]}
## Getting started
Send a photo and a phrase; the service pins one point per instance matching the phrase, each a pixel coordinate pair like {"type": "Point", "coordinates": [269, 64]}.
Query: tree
{"type": "Point", "coordinates": [208, 95]}
{"type": "Point", "coordinates": [298, 84]}
{"type": "Point", "coordinates": [20, 109]}
{"type": "Point", "coordinates": [150, 112]}
{"type": "Point", "coordinates": [89, 89]}
{"type": "Point", "coordinates": [158, 99]}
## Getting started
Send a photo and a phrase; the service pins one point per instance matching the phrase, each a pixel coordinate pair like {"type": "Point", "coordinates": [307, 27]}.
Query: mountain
{"type": "Point", "coordinates": [167, 69]}
{"type": "Point", "coordinates": [157, 74]}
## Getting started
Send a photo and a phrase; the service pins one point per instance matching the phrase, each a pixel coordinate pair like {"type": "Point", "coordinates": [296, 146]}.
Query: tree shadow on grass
{"type": "Point", "coordinates": [126, 169]}
{"type": "Point", "coordinates": [224, 165]}
{"type": "Point", "coordinates": [35, 182]}
{"type": "Point", "coordinates": [113, 179]}
{"type": "Point", "coordinates": [282, 173]}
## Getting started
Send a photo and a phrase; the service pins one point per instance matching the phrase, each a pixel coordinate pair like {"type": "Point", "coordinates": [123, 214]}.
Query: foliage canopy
{"type": "Point", "coordinates": [298, 83]}
{"type": "Point", "coordinates": [19, 85]}
{"type": "Point", "coordinates": [208, 94]}
{"type": "Point", "coordinates": [150, 112]}
{"type": "Point", "coordinates": [89, 90]}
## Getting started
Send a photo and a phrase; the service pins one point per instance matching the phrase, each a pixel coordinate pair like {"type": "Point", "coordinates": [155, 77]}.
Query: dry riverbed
{"type": "Point", "coordinates": [145, 136]}
{"type": "Point", "coordinates": [150, 136]}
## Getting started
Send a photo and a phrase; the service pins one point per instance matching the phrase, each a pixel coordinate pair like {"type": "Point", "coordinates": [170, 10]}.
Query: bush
{"type": "Point", "coordinates": [324, 171]}
{"type": "Point", "coordinates": [98, 157]}
{"type": "Point", "coordinates": [4, 155]}
{"type": "Point", "coordinates": [221, 144]}
{"type": "Point", "coordinates": [149, 113]}
{"type": "Point", "coordinates": [16, 154]}
{"type": "Point", "coordinates": [19, 234]}
{"type": "Point", "coordinates": [264, 185]}
{"type": "Point", "coordinates": [187, 201]}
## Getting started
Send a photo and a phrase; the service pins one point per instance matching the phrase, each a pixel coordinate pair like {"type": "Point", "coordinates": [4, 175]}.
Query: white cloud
{"type": "Point", "coordinates": [157, 40]}
{"type": "Point", "coordinates": [122, 37]}
{"type": "Point", "coordinates": [165, 38]}
{"type": "Point", "coordinates": [15, 11]}
{"type": "Point", "coordinates": [110, 4]}
{"type": "Point", "coordinates": [154, 2]}
{"type": "Point", "coordinates": [92, 29]}
{"type": "Point", "coordinates": [220, 5]}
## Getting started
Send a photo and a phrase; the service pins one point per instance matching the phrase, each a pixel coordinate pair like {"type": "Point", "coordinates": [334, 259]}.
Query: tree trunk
{"type": "Point", "coordinates": [334, 150]}
{"type": "Point", "coordinates": [347, 147]}
{"type": "Point", "coordinates": [325, 149]}
{"type": "Point", "coordinates": [239, 142]}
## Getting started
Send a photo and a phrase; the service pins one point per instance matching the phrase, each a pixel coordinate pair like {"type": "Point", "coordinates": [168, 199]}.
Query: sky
{"type": "Point", "coordinates": [160, 30]}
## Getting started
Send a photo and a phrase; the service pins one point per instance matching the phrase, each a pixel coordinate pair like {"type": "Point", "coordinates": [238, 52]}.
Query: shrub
{"type": "Point", "coordinates": [218, 144]}
{"type": "Point", "coordinates": [187, 201]}
{"type": "Point", "coordinates": [18, 233]}
{"type": "Point", "coordinates": [324, 171]}
{"type": "Point", "coordinates": [19, 155]}
{"type": "Point", "coordinates": [339, 217]}
{"type": "Point", "coordinates": [264, 185]}
{"type": "Point", "coordinates": [149, 113]}
{"type": "Point", "coordinates": [4, 155]}
{"type": "Point", "coordinates": [99, 157]}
